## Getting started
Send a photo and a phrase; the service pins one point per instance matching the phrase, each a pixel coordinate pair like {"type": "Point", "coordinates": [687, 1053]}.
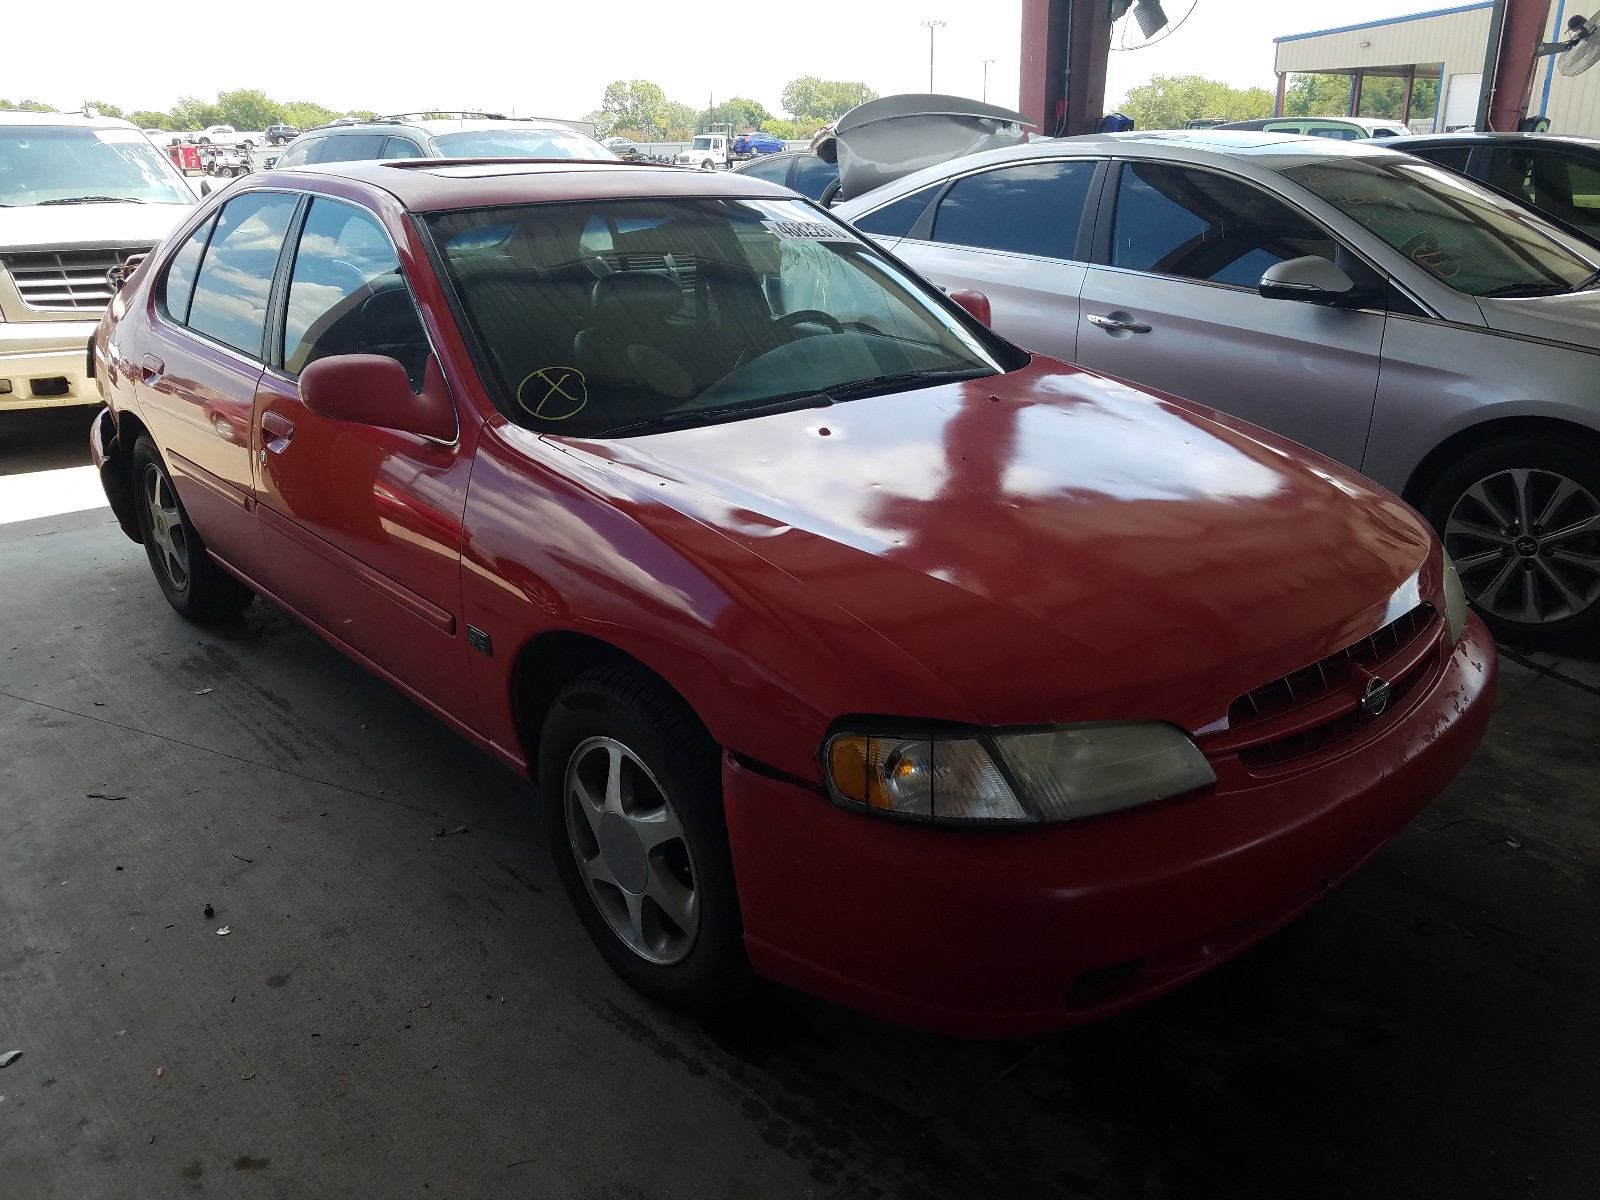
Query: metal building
{"type": "Point", "coordinates": [1447, 45]}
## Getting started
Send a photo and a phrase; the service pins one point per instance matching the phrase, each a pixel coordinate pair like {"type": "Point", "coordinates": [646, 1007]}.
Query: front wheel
{"type": "Point", "coordinates": [192, 583]}
{"type": "Point", "coordinates": [1521, 520]}
{"type": "Point", "coordinates": [630, 787]}
{"type": "Point", "coordinates": [708, 165]}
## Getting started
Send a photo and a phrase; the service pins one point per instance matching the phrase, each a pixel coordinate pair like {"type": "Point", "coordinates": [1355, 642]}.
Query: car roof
{"type": "Point", "coordinates": [439, 184]}
{"type": "Point", "coordinates": [12, 116]}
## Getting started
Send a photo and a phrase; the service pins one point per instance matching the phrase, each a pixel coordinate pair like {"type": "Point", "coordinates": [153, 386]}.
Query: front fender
{"type": "Point", "coordinates": [105, 446]}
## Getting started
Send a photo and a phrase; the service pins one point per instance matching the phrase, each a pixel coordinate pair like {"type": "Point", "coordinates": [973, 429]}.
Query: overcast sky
{"type": "Point", "coordinates": [555, 59]}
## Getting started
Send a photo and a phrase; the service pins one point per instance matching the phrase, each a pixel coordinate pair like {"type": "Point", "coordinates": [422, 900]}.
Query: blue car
{"type": "Point", "coordinates": [749, 145]}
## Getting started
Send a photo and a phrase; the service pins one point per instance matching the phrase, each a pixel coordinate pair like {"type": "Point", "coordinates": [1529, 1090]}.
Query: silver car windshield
{"type": "Point", "coordinates": [520, 143]}
{"type": "Point", "coordinates": [1465, 237]}
{"type": "Point", "coordinates": [614, 317]}
{"type": "Point", "coordinates": [63, 164]}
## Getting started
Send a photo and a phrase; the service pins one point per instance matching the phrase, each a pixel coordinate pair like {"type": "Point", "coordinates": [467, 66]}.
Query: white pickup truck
{"type": "Point", "coordinates": [226, 135]}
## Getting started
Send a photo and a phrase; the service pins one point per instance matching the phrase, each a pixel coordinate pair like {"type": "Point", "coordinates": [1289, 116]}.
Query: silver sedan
{"type": "Point", "coordinates": [1393, 315]}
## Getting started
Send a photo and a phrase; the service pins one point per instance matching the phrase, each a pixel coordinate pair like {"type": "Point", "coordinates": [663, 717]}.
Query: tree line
{"type": "Point", "coordinates": [639, 109]}
{"type": "Point", "coordinates": [1172, 101]}
{"type": "Point", "coordinates": [246, 108]}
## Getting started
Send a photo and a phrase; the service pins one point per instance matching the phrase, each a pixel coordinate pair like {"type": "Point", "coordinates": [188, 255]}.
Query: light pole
{"type": "Point", "coordinates": [986, 63]}
{"type": "Point", "coordinates": [930, 26]}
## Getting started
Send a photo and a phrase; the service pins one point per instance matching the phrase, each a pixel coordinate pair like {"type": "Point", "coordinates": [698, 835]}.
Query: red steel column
{"type": "Point", "coordinates": [1514, 33]}
{"type": "Point", "coordinates": [1283, 83]}
{"type": "Point", "coordinates": [1065, 47]}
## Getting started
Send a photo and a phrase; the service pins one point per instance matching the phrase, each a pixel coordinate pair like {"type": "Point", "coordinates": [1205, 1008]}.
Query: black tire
{"type": "Point", "coordinates": [674, 763]}
{"type": "Point", "coordinates": [1507, 513]}
{"type": "Point", "coordinates": [195, 586]}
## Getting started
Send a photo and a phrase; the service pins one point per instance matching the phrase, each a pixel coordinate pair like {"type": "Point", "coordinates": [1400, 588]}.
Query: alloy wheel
{"type": "Point", "coordinates": [631, 850]}
{"type": "Point", "coordinates": [166, 531]}
{"type": "Point", "coordinates": [1526, 543]}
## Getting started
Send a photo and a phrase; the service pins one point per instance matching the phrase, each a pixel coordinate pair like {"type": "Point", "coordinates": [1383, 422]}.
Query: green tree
{"type": "Point", "coordinates": [192, 113]}
{"type": "Point", "coordinates": [1172, 101]}
{"type": "Point", "coordinates": [811, 98]}
{"type": "Point", "coordinates": [791, 131]}
{"type": "Point", "coordinates": [248, 108]}
{"type": "Point", "coordinates": [738, 112]}
{"type": "Point", "coordinates": [635, 104]}
{"type": "Point", "coordinates": [681, 121]}
{"type": "Point", "coordinates": [145, 119]}
{"type": "Point", "coordinates": [1318, 96]}
{"type": "Point", "coordinates": [303, 114]}
{"type": "Point", "coordinates": [104, 109]}
{"type": "Point", "coordinates": [26, 106]}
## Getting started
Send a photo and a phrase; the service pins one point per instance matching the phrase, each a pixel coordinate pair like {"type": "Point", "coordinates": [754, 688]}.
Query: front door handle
{"type": "Point", "coordinates": [1117, 322]}
{"type": "Point", "coordinates": [278, 431]}
{"type": "Point", "coordinates": [154, 368]}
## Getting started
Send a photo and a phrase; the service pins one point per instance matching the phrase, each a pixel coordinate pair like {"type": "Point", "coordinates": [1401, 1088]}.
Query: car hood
{"type": "Point", "coordinates": [1573, 318]}
{"type": "Point", "coordinates": [87, 226]}
{"type": "Point", "coordinates": [1053, 545]}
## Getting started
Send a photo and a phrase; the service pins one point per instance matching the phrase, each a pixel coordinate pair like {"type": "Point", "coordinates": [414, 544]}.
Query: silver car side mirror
{"type": "Point", "coordinates": [1310, 279]}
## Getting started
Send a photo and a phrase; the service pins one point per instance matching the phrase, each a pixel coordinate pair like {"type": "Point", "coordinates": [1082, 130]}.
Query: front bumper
{"type": "Point", "coordinates": [1019, 932]}
{"type": "Point", "coordinates": [46, 363]}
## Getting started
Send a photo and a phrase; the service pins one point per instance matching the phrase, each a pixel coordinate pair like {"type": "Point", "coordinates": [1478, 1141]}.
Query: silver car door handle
{"type": "Point", "coordinates": [1124, 324]}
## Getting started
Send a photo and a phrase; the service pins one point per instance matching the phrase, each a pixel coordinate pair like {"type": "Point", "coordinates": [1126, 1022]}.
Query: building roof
{"type": "Point", "coordinates": [1418, 16]}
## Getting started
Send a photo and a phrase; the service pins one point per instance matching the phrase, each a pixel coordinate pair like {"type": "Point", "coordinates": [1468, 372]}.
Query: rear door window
{"type": "Point", "coordinates": [178, 286]}
{"type": "Point", "coordinates": [897, 218]}
{"type": "Point", "coordinates": [231, 290]}
{"type": "Point", "coordinates": [1201, 225]}
{"type": "Point", "coordinates": [1032, 208]}
{"type": "Point", "coordinates": [813, 176]}
{"type": "Point", "coordinates": [773, 170]}
{"type": "Point", "coordinates": [1452, 158]}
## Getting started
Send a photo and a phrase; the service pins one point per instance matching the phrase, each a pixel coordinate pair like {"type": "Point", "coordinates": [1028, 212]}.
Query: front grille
{"type": "Point", "coordinates": [72, 280]}
{"type": "Point", "coordinates": [1319, 706]}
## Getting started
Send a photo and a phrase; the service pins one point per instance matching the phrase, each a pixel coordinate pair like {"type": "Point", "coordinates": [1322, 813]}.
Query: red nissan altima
{"type": "Point", "coordinates": [849, 645]}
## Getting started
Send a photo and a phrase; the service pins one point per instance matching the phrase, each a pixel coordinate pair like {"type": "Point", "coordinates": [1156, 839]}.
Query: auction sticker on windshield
{"type": "Point", "coordinates": [807, 231]}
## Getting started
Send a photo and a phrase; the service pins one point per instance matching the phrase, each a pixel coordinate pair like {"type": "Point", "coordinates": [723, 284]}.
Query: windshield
{"type": "Point", "coordinates": [614, 317]}
{"type": "Point", "coordinates": [44, 164]}
{"type": "Point", "coordinates": [520, 143]}
{"type": "Point", "coordinates": [700, 143]}
{"type": "Point", "coordinates": [1464, 236]}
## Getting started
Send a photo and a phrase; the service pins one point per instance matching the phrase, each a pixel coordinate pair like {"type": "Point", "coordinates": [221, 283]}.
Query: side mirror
{"type": "Point", "coordinates": [372, 389]}
{"type": "Point", "coordinates": [1311, 279]}
{"type": "Point", "coordinates": [976, 304]}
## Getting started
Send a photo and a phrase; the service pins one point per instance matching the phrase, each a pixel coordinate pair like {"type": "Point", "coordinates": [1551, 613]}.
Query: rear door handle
{"type": "Point", "coordinates": [279, 431]}
{"type": "Point", "coordinates": [154, 368]}
{"type": "Point", "coordinates": [1117, 322]}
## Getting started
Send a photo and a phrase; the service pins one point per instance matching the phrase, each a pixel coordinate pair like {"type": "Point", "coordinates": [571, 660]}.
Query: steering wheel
{"type": "Point", "coordinates": [809, 316]}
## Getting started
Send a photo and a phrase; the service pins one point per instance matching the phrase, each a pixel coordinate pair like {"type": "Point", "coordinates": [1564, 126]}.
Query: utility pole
{"type": "Point", "coordinates": [930, 26]}
{"type": "Point", "coordinates": [986, 63]}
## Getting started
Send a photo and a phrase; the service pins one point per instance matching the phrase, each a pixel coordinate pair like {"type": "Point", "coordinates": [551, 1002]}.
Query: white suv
{"type": "Point", "coordinates": [79, 196]}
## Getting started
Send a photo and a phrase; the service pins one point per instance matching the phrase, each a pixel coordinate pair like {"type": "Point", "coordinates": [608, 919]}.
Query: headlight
{"type": "Point", "coordinates": [1455, 602]}
{"type": "Point", "coordinates": [1046, 775]}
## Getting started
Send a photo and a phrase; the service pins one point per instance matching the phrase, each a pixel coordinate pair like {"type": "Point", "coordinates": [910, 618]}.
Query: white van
{"type": "Point", "coordinates": [79, 196]}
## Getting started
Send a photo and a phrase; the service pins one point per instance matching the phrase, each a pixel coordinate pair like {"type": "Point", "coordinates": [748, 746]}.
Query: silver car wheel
{"type": "Point", "coordinates": [166, 528]}
{"type": "Point", "coordinates": [1527, 545]}
{"type": "Point", "coordinates": [631, 851]}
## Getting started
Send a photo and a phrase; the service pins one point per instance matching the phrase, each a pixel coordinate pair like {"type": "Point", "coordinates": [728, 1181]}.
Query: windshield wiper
{"type": "Point", "coordinates": [879, 384]}
{"type": "Point", "coordinates": [701, 415]}
{"type": "Point", "coordinates": [1512, 291]}
{"type": "Point", "coordinates": [1583, 285]}
{"type": "Point", "coordinates": [90, 200]}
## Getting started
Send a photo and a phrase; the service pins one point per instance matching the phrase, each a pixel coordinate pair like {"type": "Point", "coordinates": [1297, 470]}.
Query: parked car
{"type": "Point", "coordinates": [709, 151]}
{"type": "Point", "coordinates": [1559, 175]}
{"type": "Point", "coordinates": [624, 148]}
{"type": "Point", "coordinates": [1405, 322]}
{"type": "Point", "coordinates": [848, 643]}
{"type": "Point", "coordinates": [224, 135]}
{"type": "Point", "coordinates": [279, 135]}
{"type": "Point", "coordinates": [755, 143]}
{"type": "Point", "coordinates": [80, 199]}
{"type": "Point", "coordinates": [803, 171]}
{"type": "Point", "coordinates": [427, 137]}
{"type": "Point", "coordinates": [1343, 129]}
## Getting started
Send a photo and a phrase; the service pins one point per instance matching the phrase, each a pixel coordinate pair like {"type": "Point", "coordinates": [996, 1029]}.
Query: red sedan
{"type": "Point", "coordinates": [849, 645]}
